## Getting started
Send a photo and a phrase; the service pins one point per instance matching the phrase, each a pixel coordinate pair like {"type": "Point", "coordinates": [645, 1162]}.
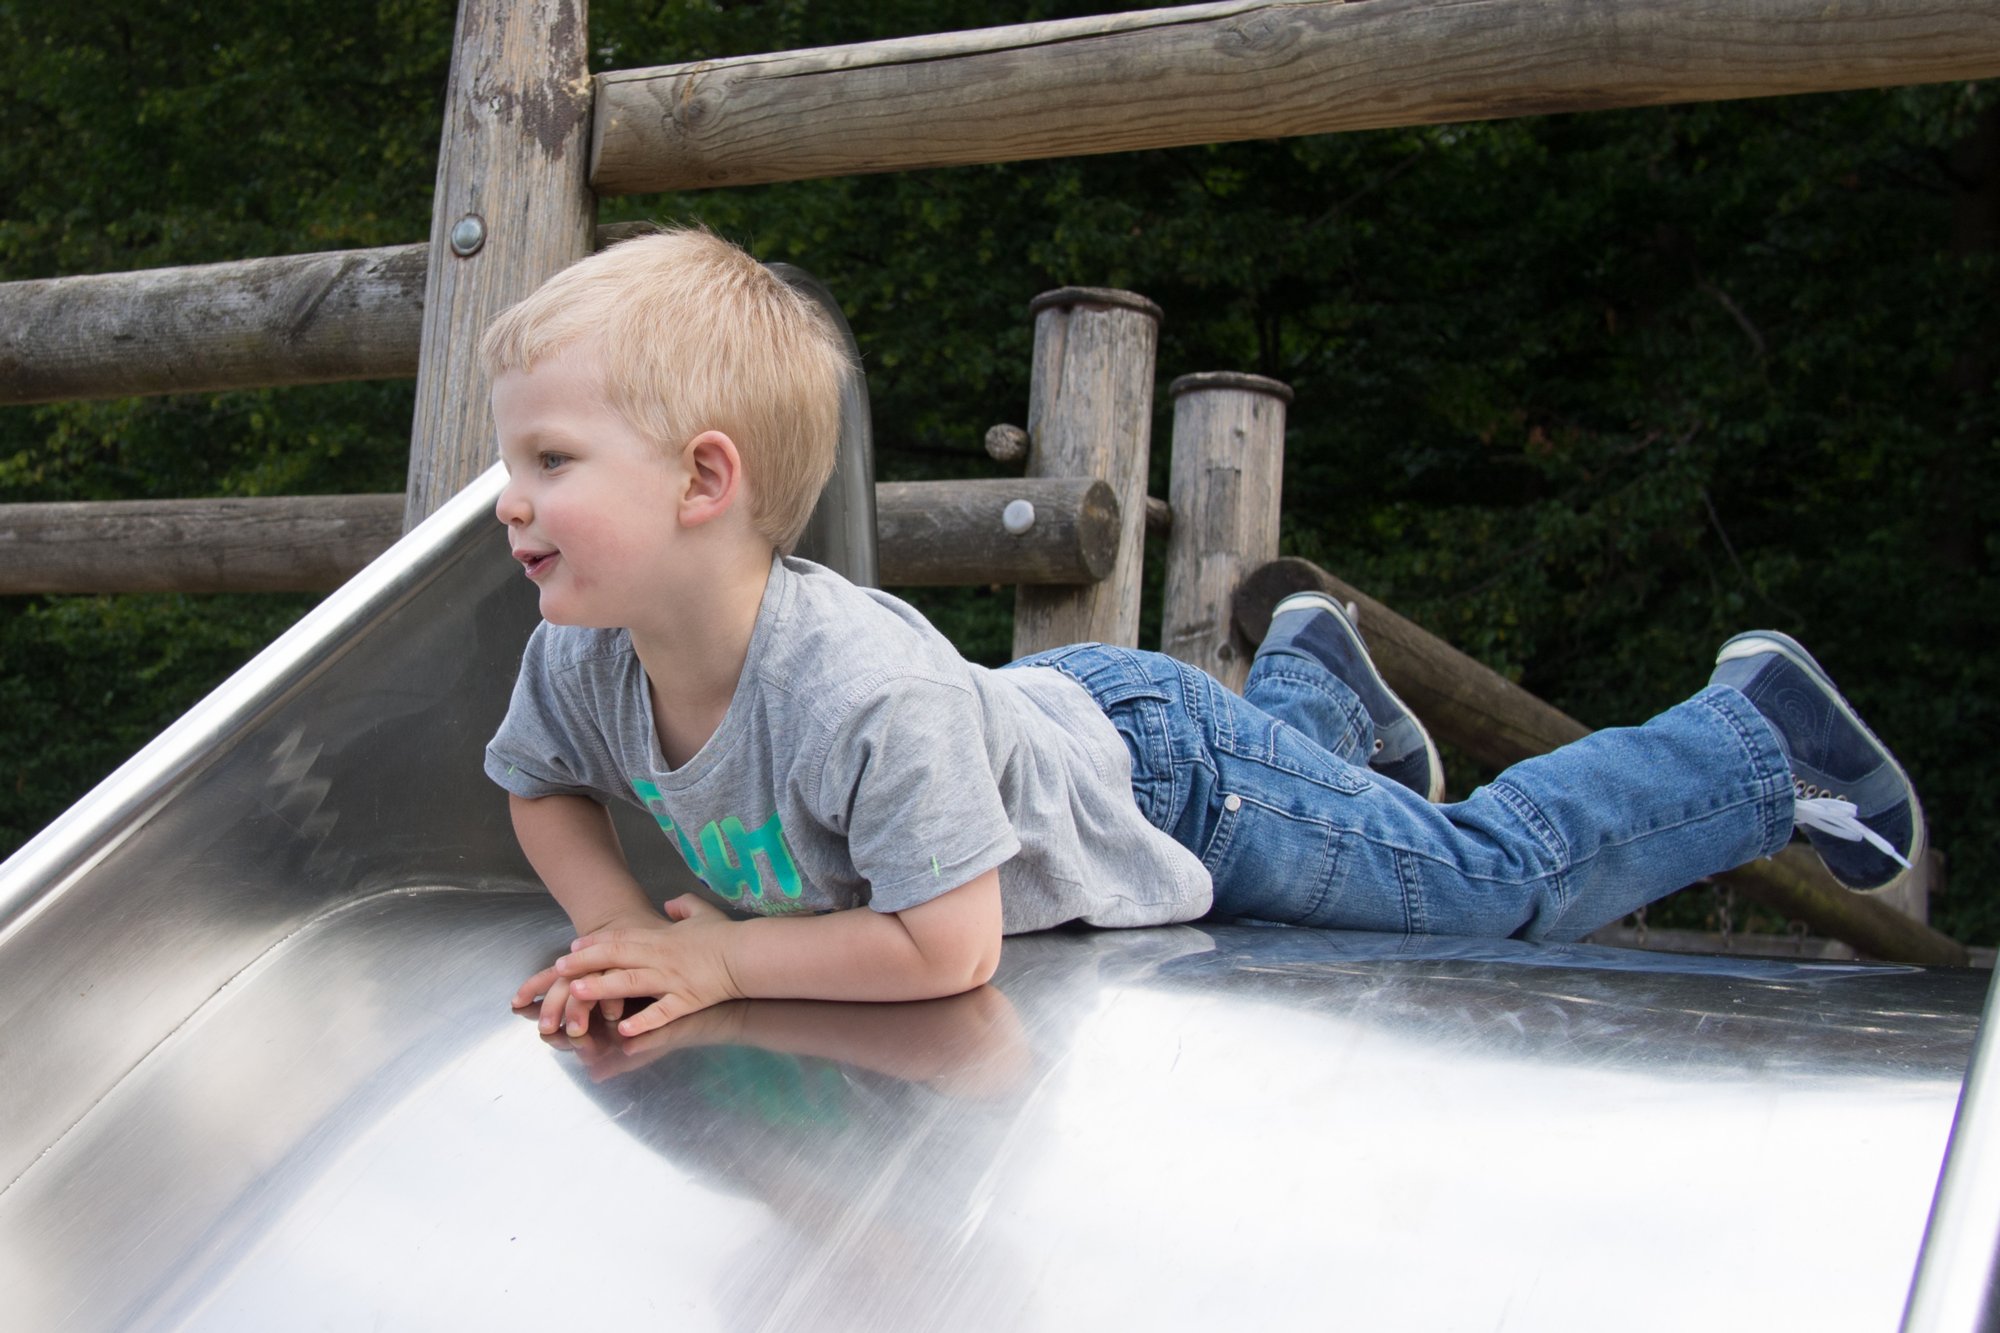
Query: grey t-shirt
{"type": "Point", "coordinates": [862, 762]}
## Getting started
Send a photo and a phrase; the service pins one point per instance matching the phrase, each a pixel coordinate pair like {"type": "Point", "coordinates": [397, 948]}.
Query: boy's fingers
{"type": "Point", "coordinates": [601, 953]}
{"type": "Point", "coordinates": [553, 1003]}
{"type": "Point", "coordinates": [656, 1015]}
{"type": "Point", "coordinates": [617, 983]}
{"type": "Point", "coordinates": [534, 988]}
{"type": "Point", "coordinates": [690, 905]}
{"type": "Point", "coordinates": [614, 1008]}
{"type": "Point", "coordinates": [576, 1014]}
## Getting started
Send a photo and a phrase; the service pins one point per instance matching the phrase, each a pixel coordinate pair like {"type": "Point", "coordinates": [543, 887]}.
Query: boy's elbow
{"type": "Point", "coordinates": [966, 965]}
{"type": "Point", "coordinates": [965, 961]}
{"type": "Point", "coordinates": [958, 935]}
{"type": "Point", "coordinates": [984, 962]}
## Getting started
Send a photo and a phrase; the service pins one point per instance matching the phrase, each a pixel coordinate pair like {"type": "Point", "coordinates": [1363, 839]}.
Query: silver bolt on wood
{"type": "Point", "coordinates": [468, 236]}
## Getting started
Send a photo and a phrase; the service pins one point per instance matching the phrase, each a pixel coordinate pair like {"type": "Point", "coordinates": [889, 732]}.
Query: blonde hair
{"type": "Point", "coordinates": [692, 334]}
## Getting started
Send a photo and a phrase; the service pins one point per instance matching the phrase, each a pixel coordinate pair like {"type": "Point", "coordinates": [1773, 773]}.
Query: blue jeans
{"type": "Point", "coordinates": [1272, 790]}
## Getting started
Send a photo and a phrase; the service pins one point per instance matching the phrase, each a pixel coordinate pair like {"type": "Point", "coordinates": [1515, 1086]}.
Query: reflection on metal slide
{"type": "Point", "coordinates": [260, 1073]}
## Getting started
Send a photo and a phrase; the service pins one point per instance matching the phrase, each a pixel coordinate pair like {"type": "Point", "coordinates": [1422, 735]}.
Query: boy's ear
{"type": "Point", "coordinates": [714, 474]}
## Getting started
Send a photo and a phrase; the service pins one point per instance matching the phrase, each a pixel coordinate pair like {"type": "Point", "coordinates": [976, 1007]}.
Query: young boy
{"type": "Point", "coordinates": [826, 761]}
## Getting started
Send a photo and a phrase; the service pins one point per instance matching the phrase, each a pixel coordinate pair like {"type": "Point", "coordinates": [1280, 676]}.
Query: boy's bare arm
{"type": "Point", "coordinates": [947, 945]}
{"type": "Point", "coordinates": [572, 846]}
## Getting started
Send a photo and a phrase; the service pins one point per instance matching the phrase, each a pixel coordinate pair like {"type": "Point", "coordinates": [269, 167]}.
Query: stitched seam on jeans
{"type": "Point", "coordinates": [1774, 786]}
{"type": "Point", "coordinates": [1530, 814]}
{"type": "Point", "coordinates": [1350, 779]}
{"type": "Point", "coordinates": [1416, 916]}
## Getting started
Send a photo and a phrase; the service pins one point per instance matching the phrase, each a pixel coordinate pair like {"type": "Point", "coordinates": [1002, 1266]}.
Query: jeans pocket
{"type": "Point", "coordinates": [1270, 863]}
{"type": "Point", "coordinates": [1142, 722]}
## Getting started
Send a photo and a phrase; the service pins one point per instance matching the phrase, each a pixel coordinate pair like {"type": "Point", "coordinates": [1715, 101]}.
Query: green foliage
{"type": "Point", "coordinates": [88, 680]}
{"type": "Point", "coordinates": [1583, 394]}
{"type": "Point", "coordinates": [133, 136]}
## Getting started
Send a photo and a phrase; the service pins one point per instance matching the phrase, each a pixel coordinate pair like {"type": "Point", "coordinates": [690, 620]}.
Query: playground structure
{"type": "Point", "coordinates": [530, 143]}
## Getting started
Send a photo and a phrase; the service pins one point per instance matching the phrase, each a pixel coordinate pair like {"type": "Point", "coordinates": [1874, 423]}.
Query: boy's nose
{"type": "Point", "coordinates": [512, 506]}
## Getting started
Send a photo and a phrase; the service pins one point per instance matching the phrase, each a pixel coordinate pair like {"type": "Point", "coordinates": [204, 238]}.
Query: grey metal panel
{"type": "Point", "coordinates": [1176, 1128]}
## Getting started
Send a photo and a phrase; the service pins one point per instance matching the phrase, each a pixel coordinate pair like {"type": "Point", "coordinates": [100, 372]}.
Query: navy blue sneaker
{"type": "Point", "coordinates": [1315, 623]}
{"type": "Point", "coordinates": [1851, 797]}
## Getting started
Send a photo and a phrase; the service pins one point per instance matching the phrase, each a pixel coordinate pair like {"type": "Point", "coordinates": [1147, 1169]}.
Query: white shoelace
{"type": "Point", "coordinates": [1835, 817]}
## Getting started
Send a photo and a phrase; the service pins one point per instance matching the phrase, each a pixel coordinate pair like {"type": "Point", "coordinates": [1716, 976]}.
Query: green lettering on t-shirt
{"type": "Point", "coordinates": [725, 858]}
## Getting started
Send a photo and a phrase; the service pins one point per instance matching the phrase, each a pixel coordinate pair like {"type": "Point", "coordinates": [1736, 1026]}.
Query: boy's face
{"type": "Point", "coordinates": [589, 504]}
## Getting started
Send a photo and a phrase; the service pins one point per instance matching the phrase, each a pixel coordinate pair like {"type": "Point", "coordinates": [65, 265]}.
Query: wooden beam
{"type": "Point", "coordinates": [1467, 704]}
{"type": "Point", "coordinates": [1249, 69]}
{"type": "Point", "coordinates": [511, 208]}
{"type": "Point", "coordinates": [1460, 698]}
{"type": "Point", "coordinates": [209, 328]}
{"type": "Point", "coordinates": [1090, 414]}
{"type": "Point", "coordinates": [309, 543]}
{"type": "Point", "coordinates": [932, 533]}
{"type": "Point", "coordinates": [955, 533]}
{"type": "Point", "coordinates": [1225, 482]}
{"type": "Point", "coordinates": [296, 319]}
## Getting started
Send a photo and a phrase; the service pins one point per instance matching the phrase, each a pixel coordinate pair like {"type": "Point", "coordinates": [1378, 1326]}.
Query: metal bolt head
{"type": "Point", "coordinates": [468, 235]}
{"type": "Point", "coordinates": [1018, 516]}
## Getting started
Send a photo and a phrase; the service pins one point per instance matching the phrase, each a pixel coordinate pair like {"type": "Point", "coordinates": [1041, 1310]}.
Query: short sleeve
{"type": "Point", "coordinates": [906, 779]}
{"type": "Point", "coordinates": [534, 753]}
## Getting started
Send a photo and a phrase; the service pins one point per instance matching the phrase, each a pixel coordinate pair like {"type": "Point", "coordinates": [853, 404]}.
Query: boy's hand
{"type": "Point", "coordinates": [682, 962]}
{"type": "Point", "coordinates": [562, 1009]}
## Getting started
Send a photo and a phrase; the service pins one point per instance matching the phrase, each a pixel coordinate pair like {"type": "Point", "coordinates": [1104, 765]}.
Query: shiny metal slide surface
{"type": "Point", "coordinates": [260, 1073]}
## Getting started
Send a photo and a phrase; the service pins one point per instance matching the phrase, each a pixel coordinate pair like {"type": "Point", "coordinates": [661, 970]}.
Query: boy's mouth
{"type": "Point", "coordinates": [536, 563]}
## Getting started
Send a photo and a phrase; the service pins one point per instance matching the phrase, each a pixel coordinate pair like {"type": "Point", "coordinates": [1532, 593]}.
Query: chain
{"type": "Point", "coordinates": [1639, 925]}
{"type": "Point", "coordinates": [1797, 930]}
{"type": "Point", "coordinates": [1725, 914]}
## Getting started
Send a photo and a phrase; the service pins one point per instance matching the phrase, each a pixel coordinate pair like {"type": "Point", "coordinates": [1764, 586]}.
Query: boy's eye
{"type": "Point", "coordinates": [550, 462]}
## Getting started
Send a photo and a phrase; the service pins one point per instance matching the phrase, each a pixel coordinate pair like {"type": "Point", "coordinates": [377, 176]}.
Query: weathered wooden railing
{"type": "Point", "coordinates": [512, 175]}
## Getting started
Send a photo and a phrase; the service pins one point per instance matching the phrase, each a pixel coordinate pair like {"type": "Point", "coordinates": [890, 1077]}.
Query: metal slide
{"type": "Point", "coordinates": [259, 1072]}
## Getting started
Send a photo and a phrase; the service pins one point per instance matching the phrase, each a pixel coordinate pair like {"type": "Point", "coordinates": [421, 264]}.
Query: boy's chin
{"type": "Point", "coordinates": [555, 613]}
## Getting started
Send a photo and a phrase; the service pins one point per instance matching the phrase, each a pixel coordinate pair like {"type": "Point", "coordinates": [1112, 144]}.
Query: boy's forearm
{"type": "Point", "coordinates": [571, 844]}
{"type": "Point", "coordinates": [701, 957]}
{"type": "Point", "coordinates": [941, 947]}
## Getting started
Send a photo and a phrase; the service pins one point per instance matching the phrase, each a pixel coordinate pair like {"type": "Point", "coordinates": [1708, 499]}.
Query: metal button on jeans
{"type": "Point", "coordinates": [1232, 803]}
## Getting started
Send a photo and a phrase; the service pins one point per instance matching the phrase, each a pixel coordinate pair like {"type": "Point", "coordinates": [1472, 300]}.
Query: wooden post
{"type": "Point", "coordinates": [512, 207]}
{"type": "Point", "coordinates": [1090, 414]}
{"type": "Point", "coordinates": [1228, 473]}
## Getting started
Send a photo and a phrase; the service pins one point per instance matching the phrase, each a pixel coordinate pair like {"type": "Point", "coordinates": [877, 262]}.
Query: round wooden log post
{"type": "Point", "coordinates": [1090, 414]}
{"type": "Point", "coordinates": [1246, 69]}
{"type": "Point", "coordinates": [948, 533]}
{"type": "Point", "coordinates": [297, 319]}
{"type": "Point", "coordinates": [292, 543]}
{"type": "Point", "coordinates": [204, 328]}
{"type": "Point", "coordinates": [512, 207]}
{"type": "Point", "coordinates": [1061, 530]}
{"type": "Point", "coordinates": [1462, 701]}
{"type": "Point", "coordinates": [1224, 488]}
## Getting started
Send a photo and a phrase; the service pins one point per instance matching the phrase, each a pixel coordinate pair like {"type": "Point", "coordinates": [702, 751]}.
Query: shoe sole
{"type": "Point", "coordinates": [1326, 603]}
{"type": "Point", "coordinates": [1758, 642]}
